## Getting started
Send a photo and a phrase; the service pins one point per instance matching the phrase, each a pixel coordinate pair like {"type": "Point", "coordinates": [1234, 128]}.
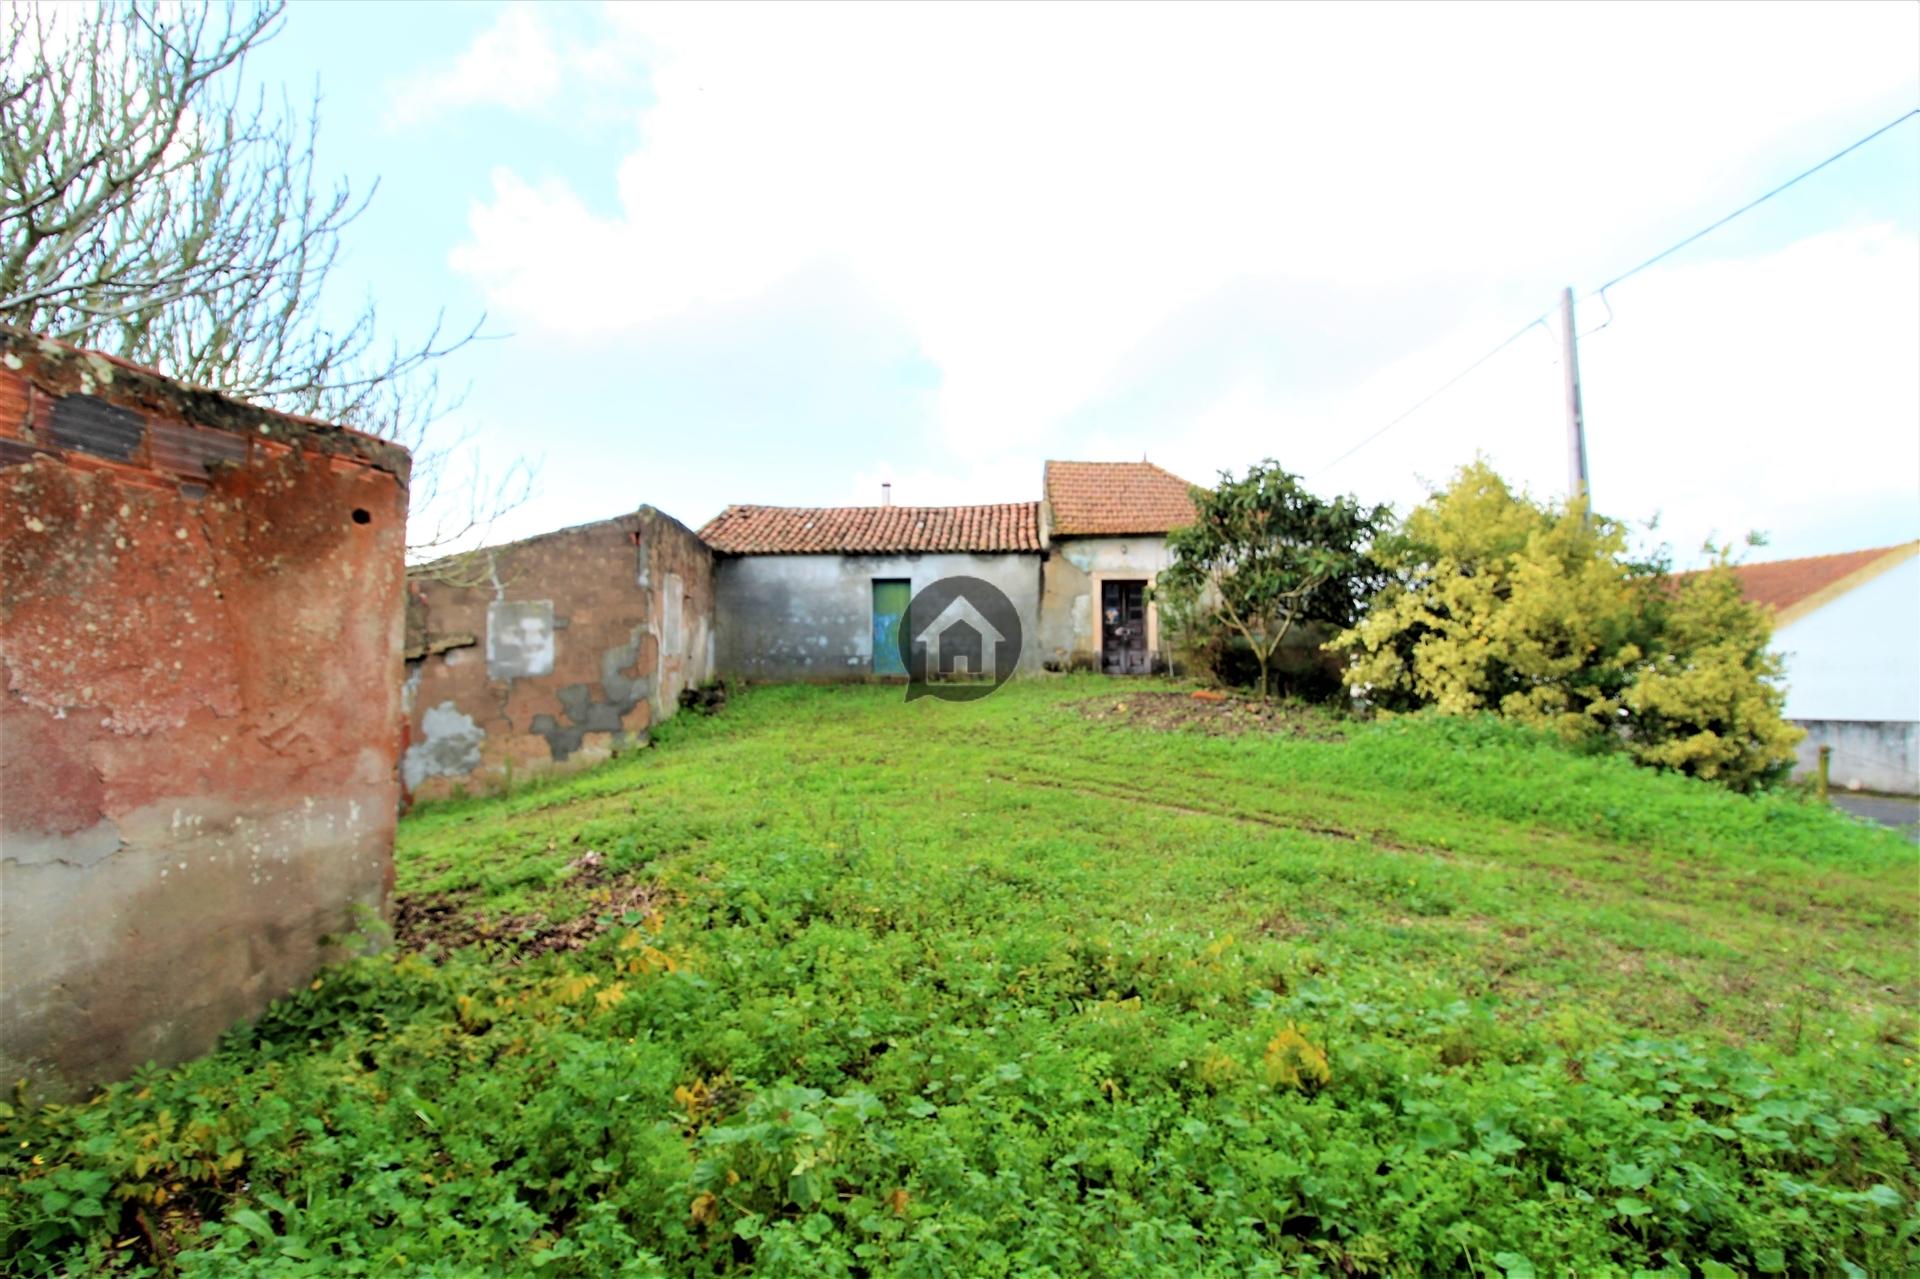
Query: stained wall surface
{"type": "Point", "coordinates": [811, 617]}
{"type": "Point", "coordinates": [1874, 755]}
{"type": "Point", "coordinates": [1070, 629]}
{"type": "Point", "coordinates": [200, 630]}
{"type": "Point", "coordinates": [553, 653]}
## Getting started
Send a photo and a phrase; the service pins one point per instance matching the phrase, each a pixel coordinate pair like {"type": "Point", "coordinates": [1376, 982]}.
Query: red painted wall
{"type": "Point", "coordinates": [201, 611]}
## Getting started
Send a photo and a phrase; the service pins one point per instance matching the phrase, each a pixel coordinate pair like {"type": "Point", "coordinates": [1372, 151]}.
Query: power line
{"type": "Point", "coordinates": [1601, 292]}
{"type": "Point", "coordinates": [1754, 204]}
{"type": "Point", "coordinates": [1440, 390]}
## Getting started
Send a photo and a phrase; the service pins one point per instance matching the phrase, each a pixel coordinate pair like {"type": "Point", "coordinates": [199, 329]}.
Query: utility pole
{"type": "Point", "coordinates": [1576, 421]}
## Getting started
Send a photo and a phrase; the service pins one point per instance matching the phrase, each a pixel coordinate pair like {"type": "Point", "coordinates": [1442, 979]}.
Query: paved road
{"type": "Point", "coordinates": [1885, 809]}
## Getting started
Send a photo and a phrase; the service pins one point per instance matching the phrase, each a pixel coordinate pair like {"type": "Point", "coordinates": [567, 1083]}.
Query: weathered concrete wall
{"type": "Point", "coordinates": [1070, 603]}
{"type": "Point", "coordinates": [200, 625]}
{"type": "Point", "coordinates": [555, 652]}
{"type": "Point", "coordinates": [810, 617]}
{"type": "Point", "coordinates": [1876, 755]}
{"type": "Point", "coordinates": [1070, 632]}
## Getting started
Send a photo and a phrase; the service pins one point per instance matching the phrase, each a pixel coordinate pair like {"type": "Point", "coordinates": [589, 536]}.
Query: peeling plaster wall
{"type": "Point", "coordinates": [1070, 631]}
{"type": "Point", "coordinates": [555, 652]}
{"type": "Point", "coordinates": [1070, 604]}
{"type": "Point", "coordinates": [810, 617]}
{"type": "Point", "coordinates": [200, 629]}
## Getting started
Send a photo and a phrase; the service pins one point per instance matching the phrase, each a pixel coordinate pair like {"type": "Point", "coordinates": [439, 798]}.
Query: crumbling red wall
{"type": "Point", "coordinates": [553, 653]}
{"type": "Point", "coordinates": [201, 613]}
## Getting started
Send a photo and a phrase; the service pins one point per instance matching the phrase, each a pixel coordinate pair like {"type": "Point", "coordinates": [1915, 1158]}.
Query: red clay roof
{"type": "Point", "coordinates": [1785, 585]}
{"type": "Point", "coordinates": [1087, 498]}
{"type": "Point", "coordinates": [874, 530]}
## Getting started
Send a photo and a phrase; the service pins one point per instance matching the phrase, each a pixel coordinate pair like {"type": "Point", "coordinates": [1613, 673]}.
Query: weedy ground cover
{"type": "Point", "coordinates": [834, 984]}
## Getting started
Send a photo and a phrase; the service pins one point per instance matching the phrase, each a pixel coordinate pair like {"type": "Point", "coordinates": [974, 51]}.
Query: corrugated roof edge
{"type": "Point", "coordinates": [62, 368]}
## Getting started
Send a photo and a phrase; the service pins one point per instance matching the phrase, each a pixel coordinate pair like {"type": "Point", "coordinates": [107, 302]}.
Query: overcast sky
{"type": "Point", "coordinates": [777, 254]}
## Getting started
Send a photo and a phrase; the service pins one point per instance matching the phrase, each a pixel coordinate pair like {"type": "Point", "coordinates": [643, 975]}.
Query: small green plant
{"type": "Point", "coordinates": [834, 984]}
{"type": "Point", "coordinates": [1262, 556]}
{"type": "Point", "coordinates": [1537, 612]}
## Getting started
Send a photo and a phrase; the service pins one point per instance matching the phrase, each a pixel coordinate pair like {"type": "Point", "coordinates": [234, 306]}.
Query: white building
{"type": "Point", "coordinates": [1849, 629]}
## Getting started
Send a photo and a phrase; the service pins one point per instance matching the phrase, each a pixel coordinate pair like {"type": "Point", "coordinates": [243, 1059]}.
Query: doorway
{"type": "Point", "coordinates": [891, 595]}
{"type": "Point", "coordinates": [1123, 627]}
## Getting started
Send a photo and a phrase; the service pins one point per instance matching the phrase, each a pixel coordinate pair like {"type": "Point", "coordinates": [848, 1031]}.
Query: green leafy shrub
{"type": "Point", "coordinates": [983, 989]}
{"type": "Point", "coordinates": [1536, 612]}
{"type": "Point", "coordinates": [1262, 557]}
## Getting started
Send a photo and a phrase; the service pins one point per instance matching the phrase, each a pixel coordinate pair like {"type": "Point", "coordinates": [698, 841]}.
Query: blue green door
{"type": "Point", "coordinates": [891, 595]}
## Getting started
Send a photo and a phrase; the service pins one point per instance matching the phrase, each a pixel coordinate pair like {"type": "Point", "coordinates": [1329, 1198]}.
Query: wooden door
{"type": "Point", "coordinates": [1123, 628]}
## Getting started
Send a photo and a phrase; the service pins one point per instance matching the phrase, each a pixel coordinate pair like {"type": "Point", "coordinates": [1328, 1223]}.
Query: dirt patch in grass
{"type": "Point", "coordinates": [1217, 714]}
{"type": "Point", "coordinates": [448, 921]}
{"type": "Point", "coordinates": [1283, 926]}
{"type": "Point", "coordinates": [156, 1238]}
{"type": "Point", "coordinates": [1274, 821]}
{"type": "Point", "coordinates": [426, 921]}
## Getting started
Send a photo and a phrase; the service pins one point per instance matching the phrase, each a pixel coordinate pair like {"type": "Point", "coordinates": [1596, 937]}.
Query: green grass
{"type": "Point", "coordinates": [876, 988]}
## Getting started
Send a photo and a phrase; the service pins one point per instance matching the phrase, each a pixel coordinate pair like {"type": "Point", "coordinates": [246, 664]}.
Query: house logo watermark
{"type": "Point", "coordinates": [959, 640]}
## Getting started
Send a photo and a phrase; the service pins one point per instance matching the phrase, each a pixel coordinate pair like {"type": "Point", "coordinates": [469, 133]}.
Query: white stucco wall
{"type": "Point", "coordinates": [1858, 658]}
{"type": "Point", "coordinates": [810, 617]}
{"type": "Point", "coordinates": [1853, 683]}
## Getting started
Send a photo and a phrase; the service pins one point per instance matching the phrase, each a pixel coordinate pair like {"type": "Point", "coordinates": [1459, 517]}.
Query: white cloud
{"type": "Point", "coordinates": [515, 63]}
{"type": "Point", "coordinates": [1008, 477]}
{"type": "Point", "coordinates": [1038, 191]}
{"type": "Point", "coordinates": [1767, 393]}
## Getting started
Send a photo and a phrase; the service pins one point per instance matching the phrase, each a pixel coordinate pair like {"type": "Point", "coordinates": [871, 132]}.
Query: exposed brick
{"type": "Point", "coordinates": [200, 711]}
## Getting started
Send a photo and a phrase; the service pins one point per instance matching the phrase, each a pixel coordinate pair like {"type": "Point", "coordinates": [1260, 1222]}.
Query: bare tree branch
{"type": "Point", "coordinates": [155, 206]}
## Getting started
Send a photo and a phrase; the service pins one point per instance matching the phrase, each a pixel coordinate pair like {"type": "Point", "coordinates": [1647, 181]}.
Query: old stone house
{"type": "Point", "coordinates": [553, 652]}
{"type": "Point", "coordinates": [564, 649]}
{"type": "Point", "coordinates": [817, 593]}
{"type": "Point", "coordinates": [1106, 529]}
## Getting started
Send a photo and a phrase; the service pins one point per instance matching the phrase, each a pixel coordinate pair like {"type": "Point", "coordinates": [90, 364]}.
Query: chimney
{"type": "Point", "coordinates": [886, 492]}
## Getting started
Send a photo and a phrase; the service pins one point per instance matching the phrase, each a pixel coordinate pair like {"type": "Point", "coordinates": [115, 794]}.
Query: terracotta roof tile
{"type": "Point", "coordinates": [1790, 587]}
{"type": "Point", "coordinates": [875, 530]}
{"type": "Point", "coordinates": [1115, 497]}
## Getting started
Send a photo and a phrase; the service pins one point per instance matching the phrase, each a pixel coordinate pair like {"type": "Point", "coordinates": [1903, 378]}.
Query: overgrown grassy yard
{"type": "Point", "coordinates": [1055, 984]}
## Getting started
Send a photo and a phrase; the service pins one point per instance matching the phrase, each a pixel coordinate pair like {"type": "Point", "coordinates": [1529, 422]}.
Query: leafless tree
{"type": "Point", "coordinates": [155, 206]}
